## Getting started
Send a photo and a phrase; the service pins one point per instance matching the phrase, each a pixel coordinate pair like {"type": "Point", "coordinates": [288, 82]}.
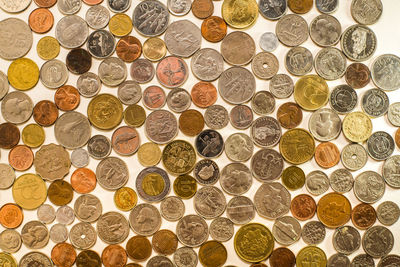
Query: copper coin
{"type": "Point", "coordinates": [45, 3]}
{"type": "Point", "coordinates": [92, 2]}
{"type": "Point", "coordinates": [142, 70]}
{"type": "Point", "coordinates": [83, 180]}
{"type": "Point", "coordinates": [260, 264]}
{"type": "Point", "coordinates": [172, 71]}
{"type": "Point", "coordinates": [363, 216]}
{"type": "Point", "coordinates": [204, 94]}
{"type": "Point", "coordinates": [282, 257]}
{"type": "Point", "coordinates": [214, 29]}
{"type": "Point", "coordinates": [154, 97]}
{"type": "Point", "coordinates": [165, 242]}
{"type": "Point", "coordinates": [11, 216]}
{"type": "Point", "coordinates": [63, 255]}
{"type": "Point", "coordinates": [9, 135]}
{"type": "Point", "coordinates": [138, 248]}
{"type": "Point", "coordinates": [241, 117]}
{"type": "Point", "coordinates": [20, 157]}
{"type": "Point", "coordinates": [88, 258]}
{"type": "Point", "coordinates": [129, 48]}
{"type": "Point", "coordinates": [202, 8]}
{"type": "Point", "coordinates": [303, 207]}
{"type": "Point", "coordinates": [300, 6]}
{"type": "Point", "coordinates": [125, 140]}
{"type": "Point", "coordinates": [327, 155]}
{"type": "Point", "coordinates": [67, 98]}
{"type": "Point", "coordinates": [191, 122]}
{"type": "Point", "coordinates": [396, 137]}
{"type": "Point", "coordinates": [289, 115]}
{"type": "Point", "coordinates": [60, 192]}
{"type": "Point", "coordinates": [114, 256]}
{"type": "Point", "coordinates": [78, 61]}
{"type": "Point", "coordinates": [357, 75]}
{"type": "Point", "coordinates": [45, 113]}
{"type": "Point", "coordinates": [41, 20]}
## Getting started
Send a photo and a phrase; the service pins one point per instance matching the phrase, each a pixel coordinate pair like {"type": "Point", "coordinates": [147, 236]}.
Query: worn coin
{"type": "Point", "coordinates": [393, 114]}
{"type": "Point", "coordinates": [375, 103]}
{"type": "Point", "coordinates": [299, 61]}
{"type": "Point", "coordinates": [206, 172]}
{"type": "Point", "coordinates": [112, 227]}
{"type": "Point", "coordinates": [145, 219]}
{"type": "Point", "coordinates": [311, 254]}
{"type": "Point", "coordinates": [35, 257]}
{"type": "Point", "coordinates": [138, 248]}
{"type": "Point", "coordinates": [280, 257]}
{"type": "Point", "coordinates": [83, 235]}
{"type": "Point", "coordinates": [149, 154]}
{"type": "Point", "coordinates": [286, 230]}
{"type": "Point", "coordinates": [357, 75]}
{"type": "Point", "coordinates": [268, 41]}
{"type": "Point", "coordinates": [380, 145]}
{"type": "Point", "coordinates": [185, 257]}
{"type": "Point", "coordinates": [60, 192]}
{"type": "Point", "coordinates": [354, 156]}
{"type": "Point", "coordinates": [79, 158]}
{"type": "Point", "coordinates": [377, 241]}
{"type": "Point", "coordinates": [389, 260]}
{"type": "Point", "coordinates": [221, 229]}
{"type": "Point", "coordinates": [112, 71]}
{"type": "Point", "coordinates": [238, 48]}
{"type": "Point", "coordinates": [101, 44]}
{"type": "Point", "coordinates": [241, 117]}
{"type": "Point", "coordinates": [216, 117]}
{"type": "Point", "coordinates": [178, 100]}
{"type": "Point", "coordinates": [34, 235]}
{"type": "Point", "coordinates": [185, 186]}
{"type": "Point", "coordinates": [213, 253]}
{"type": "Point", "coordinates": [339, 260]}
{"type": "Point", "coordinates": [390, 171]}
{"type": "Point", "coordinates": [281, 86]}
{"type": "Point", "coordinates": [357, 126]}
{"type": "Point", "coordinates": [358, 42]}
{"type": "Point", "coordinates": [11, 216]}
{"type": "Point", "coordinates": [324, 124]}
{"type": "Point", "coordinates": [363, 216]}
{"type": "Point", "coordinates": [240, 210]}
{"type": "Point", "coordinates": [10, 241]}
{"type": "Point", "coordinates": [105, 111]}
{"type": "Point", "coordinates": [125, 140]}
{"type": "Point", "coordinates": [179, 8]}
{"type": "Point", "coordinates": [369, 187]}
{"type": "Point", "coordinates": [65, 215]}
{"type": "Point", "coordinates": [185, 233]}
{"type": "Point", "coordinates": [204, 94]}
{"type": "Point", "coordinates": [112, 173]}
{"type": "Point", "coordinates": [183, 38]}
{"type": "Point", "coordinates": [341, 180]}
{"type": "Point", "coordinates": [311, 92]}
{"type": "Point", "coordinates": [172, 208]}
{"type": "Point", "coordinates": [263, 103]}
{"type": "Point", "coordinates": [388, 213]}
{"type": "Point", "coordinates": [179, 157]}
{"type": "Point", "coordinates": [236, 85]}
{"type": "Point", "coordinates": [154, 97]}
{"type": "Point", "coordinates": [292, 30]}
{"type": "Point", "coordinates": [346, 239]}
{"type": "Point", "coordinates": [18, 35]}
{"type": "Point", "coordinates": [72, 130]}
{"type": "Point", "coordinates": [313, 233]}
{"type": "Point", "coordinates": [272, 200]}
{"type": "Point", "coordinates": [343, 99]}
{"type": "Point", "coordinates": [293, 178]}
{"type": "Point", "coordinates": [207, 64]}
{"type": "Point", "coordinates": [58, 233]}
{"type": "Point", "coordinates": [172, 72]}
{"type": "Point", "coordinates": [154, 49]}
{"type": "Point", "coordinates": [97, 17]}
{"type": "Point", "coordinates": [209, 202]}
{"type": "Point", "coordinates": [9, 135]}
{"type": "Point", "coordinates": [366, 12]}
{"type": "Point", "coordinates": [333, 210]}
{"type": "Point", "coordinates": [114, 255]}
{"type": "Point", "coordinates": [300, 6]}
{"type": "Point", "coordinates": [380, 68]}
{"type": "Point", "coordinates": [16, 107]}
{"type": "Point", "coordinates": [71, 31]}
{"type": "Point", "coordinates": [289, 115]}
{"type": "Point", "coordinates": [164, 242]}
{"type": "Point", "coordinates": [159, 261]}
{"type": "Point", "coordinates": [303, 207]}
{"type": "Point", "coordinates": [88, 208]}
{"type": "Point", "coordinates": [267, 165]}
{"type": "Point", "coordinates": [99, 146]}
{"type": "Point", "coordinates": [325, 30]}
{"type": "Point", "coordinates": [238, 17]}
{"type": "Point", "coordinates": [363, 260]}
{"type": "Point", "coordinates": [88, 84]}
{"type": "Point", "coordinates": [330, 63]}
{"type": "Point", "coordinates": [134, 115]}
{"type": "Point", "coordinates": [239, 147]}
{"type": "Point", "coordinates": [7, 176]}
{"type": "Point", "coordinates": [297, 146]}
{"type": "Point", "coordinates": [272, 10]}
{"type": "Point", "coordinates": [142, 70]}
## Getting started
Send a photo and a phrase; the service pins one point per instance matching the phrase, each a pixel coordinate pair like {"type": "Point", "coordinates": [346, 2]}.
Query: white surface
{"type": "Point", "coordinates": [388, 42]}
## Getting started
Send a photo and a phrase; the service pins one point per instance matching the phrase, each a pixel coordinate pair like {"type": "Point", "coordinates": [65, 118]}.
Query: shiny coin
{"type": "Point", "coordinates": [292, 30]}
{"type": "Point", "coordinates": [209, 144]}
{"type": "Point", "coordinates": [178, 100]}
{"type": "Point", "coordinates": [333, 210]}
{"type": "Point", "coordinates": [239, 147]}
{"type": "Point", "coordinates": [23, 74]}
{"type": "Point", "coordinates": [299, 61]}
{"type": "Point", "coordinates": [341, 180]}
{"type": "Point", "coordinates": [286, 230]}
{"type": "Point", "coordinates": [179, 157]}
{"type": "Point", "coordinates": [388, 213]}
{"type": "Point", "coordinates": [243, 45]}
{"type": "Point", "coordinates": [324, 124]}
{"type": "Point", "coordinates": [380, 145]}
{"type": "Point", "coordinates": [105, 111]}
{"type": "Point", "coordinates": [327, 155]}
{"type": "Point", "coordinates": [325, 30]}
{"type": "Point", "coordinates": [20, 158]}
{"type": "Point", "coordinates": [311, 92]}
{"type": "Point", "coordinates": [272, 10]}
{"type": "Point", "coordinates": [145, 213]}
{"type": "Point", "coordinates": [206, 172]}
{"type": "Point", "coordinates": [213, 29]}
{"type": "Point", "coordinates": [179, 8]}
{"type": "Point", "coordinates": [362, 49]}
{"type": "Point", "coordinates": [272, 200]}
{"type": "Point", "coordinates": [11, 216]}
{"type": "Point", "coordinates": [293, 178]}
{"type": "Point", "coordinates": [369, 187]}
{"type": "Point", "coordinates": [43, 14]}
{"type": "Point", "coordinates": [366, 12]}
{"type": "Point", "coordinates": [83, 180]}
{"type": "Point", "coordinates": [313, 233]}
{"type": "Point", "coordinates": [29, 191]}
{"type": "Point", "coordinates": [125, 198]}
{"type": "Point", "coordinates": [67, 98]}
{"type": "Point", "coordinates": [357, 75]}
{"type": "Point", "coordinates": [375, 103]}
{"type": "Point", "coordinates": [204, 94]}
{"type": "Point", "coordinates": [120, 25]}
{"type": "Point", "coordinates": [172, 208]}
{"type": "Point", "coordinates": [354, 156]}
{"type": "Point", "coordinates": [343, 99]}
{"type": "Point", "coordinates": [185, 186]}
{"type": "Point", "coordinates": [154, 49]}
{"type": "Point", "coordinates": [112, 173]}
{"type": "Point", "coordinates": [153, 184]}
{"type": "Point", "coordinates": [129, 48]}
{"type": "Point", "coordinates": [297, 146]}
{"type": "Point", "coordinates": [72, 31]}
{"type": "Point", "coordinates": [380, 68]}
{"type": "Point", "coordinates": [324, 65]}
{"type": "Point", "coordinates": [317, 256]}
{"type": "Point", "coordinates": [236, 17]}
{"type": "Point", "coordinates": [97, 17]}
{"type": "Point", "coordinates": [357, 126]}
{"type": "Point", "coordinates": [268, 42]}
{"type": "Point", "coordinates": [150, 18]}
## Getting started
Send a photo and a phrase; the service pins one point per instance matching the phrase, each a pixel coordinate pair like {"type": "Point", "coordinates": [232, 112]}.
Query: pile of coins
{"type": "Point", "coordinates": [69, 164]}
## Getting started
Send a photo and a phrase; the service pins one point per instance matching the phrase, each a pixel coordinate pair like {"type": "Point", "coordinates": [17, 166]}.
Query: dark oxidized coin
{"type": "Point", "coordinates": [282, 257]}
{"type": "Point", "coordinates": [343, 99]}
{"type": "Point", "coordinates": [101, 44]}
{"type": "Point", "coordinates": [78, 61]}
{"type": "Point", "coordinates": [357, 75]}
{"type": "Point", "coordinates": [209, 144]}
{"type": "Point", "coordinates": [119, 6]}
{"type": "Point", "coordinates": [241, 117]}
{"type": "Point", "coordinates": [88, 258]}
{"type": "Point", "coordinates": [9, 135]}
{"type": "Point", "coordinates": [206, 172]}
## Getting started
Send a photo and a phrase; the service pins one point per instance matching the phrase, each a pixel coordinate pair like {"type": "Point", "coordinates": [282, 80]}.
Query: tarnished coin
{"type": "Point", "coordinates": [330, 63]}
{"type": "Point", "coordinates": [88, 208]}
{"type": "Point", "coordinates": [179, 31]}
{"type": "Point", "coordinates": [289, 115]}
{"type": "Point", "coordinates": [17, 33]}
{"type": "Point", "coordinates": [357, 126]}
{"type": "Point", "coordinates": [112, 227]}
{"type": "Point", "coordinates": [339, 260]}
{"type": "Point", "coordinates": [241, 117]}
{"type": "Point", "coordinates": [7, 176]}
{"type": "Point", "coordinates": [297, 146]}
{"type": "Point", "coordinates": [52, 162]}
{"type": "Point", "coordinates": [46, 213]}
{"type": "Point", "coordinates": [209, 202]}
{"type": "Point", "coordinates": [114, 255]}
{"type": "Point", "coordinates": [101, 44]}
{"type": "Point", "coordinates": [65, 215]}
{"type": "Point", "coordinates": [240, 210]}
{"type": "Point", "coordinates": [209, 143]}
{"type": "Point", "coordinates": [112, 173]}
{"type": "Point", "coordinates": [185, 257]}
{"type": "Point", "coordinates": [363, 260]}
{"type": "Point", "coordinates": [118, 6]}
{"type": "Point", "coordinates": [138, 248]}
{"type": "Point", "coordinates": [112, 71]}
{"type": "Point", "coordinates": [380, 69]}
{"type": "Point", "coordinates": [333, 210]}
{"type": "Point", "coordinates": [363, 216]}
{"type": "Point", "coordinates": [172, 72]}
{"type": "Point", "coordinates": [161, 126]}
{"type": "Point", "coordinates": [153, 184]}
{"type": "Point", "coordinates": [9, 135]}
{"type": "Point", "coordinates": [266, 131]}
{"type": "Point", "coordinates": [236, 85]}
{"type": "Point", "coordinates": [150, 18]}
{"type": "Point", "coordinates": [179, 157]}
{"type": "Point", "coordinates": [165, 242]}
{"type": "Point", "coordinates": [221, 229]}
{"type": "Point", "coordinates": [159, 260]}
{"type": "Point", "coordinates": [35, 257]}
{"type": "Point", "coordinates": [388, 213]}
{"type": "Point", "coordinates": [79, 158]}
{"type": "Point", "coordinates": [97, 17]}
{"type": "Point", "coordinates": [142, 70]}
{"type": "Point", "coordinates": [10, 241]}
{"type": "Point", "coordinates": [60, 192]}
{"type": "Point", "coordinates": [265, 65]}
{"type": "Point", "coordinates": [286, 230]}
{"type": "Point", "coordinates": [185, 233]}
{"type": "Point", "coordinates": [313, 233]}
{"type": "Point", "coordinates": [325, 30]}
{"type": "Point", "coordinates": [125, 140]}
{"type": "Point", "coordinates": [72, 31]}
{"type": "Point", "coordinates": [88, 84]}
{"type": "Point", "coordinates": [312, 254]}
{"type": "Point", "coordinates": [83, 235]}
{"type": "Point", "coordinates": [292, 30]}
{"type": "Point", "coordinates": [206, 172]}
{"type": "Point", "coordinates": [299, 61]}
{"type": "Point", "coordinates": [300, 6]}
{"type": "Point", "coordinates": [145, 219]}
{"type": "Point", "coordinates": [213, 253]}
{"type": "Point", "coordinates": [45, 113]}
{"type": "Point", "coordinates": [366, 12]}
{"type": "Point", "coordinates": [263, 103]}
{"type": "Point", "coordinates": [369, 187]}
{"type": "Point", "coordinates": [346, 239]}
{"type": "Point", "coordinates": [172, 208]}
{"type": "Point", "coordinates": [389, 260]}
{"type": "Point", "coordinates": [311, 92]}
{"type": "Point", "coordinates": [178, 100]}
{"type": "Point", "coordinates": [293, 177]}
{"type": "Point", "coordinates": [153, 97]}
{"type": "Point", "coordinates": [207, 64]}
{"type": "Point", "coordinates": [281, 256]}
{"type": "Point", "coordinates": [375, 102]}
{"type": "Point", "coordinates": [239, 147]}
{"type": "Point", "coordinates": [16, 107]}
{"type": "Point", "coordinates": [358, 42]}
{"type": "Point", "coordinates": [58, 233]}
{"type": "Point", "coordinates": [327, 7]}
{"type": "Point", "coordinates": [354, 156]}
{"type": "Point", "coordinates": [378, 241]}
{"type": "Point", "coordinates": [238, 48]}
{"type": "Point", "coordinates": [268, 41]}
{"type": "Point", "coordinates": [343, 99]}
{"type": "Point", "coordinates": [72, 130]}
{"type": "Point", "coordinates": [202, 9]}
{"type": "Point", "coordinates": [324, 124]}
{"type": "Point", "coordinates": [357, 75]}
{"type": "Point", "coordinates": [185, 186]}
{"type": "Point", "coordinates": [238, 17]}
{"type": "Point", "coordinates": [69, 7]}
{"type": "Point", "coordinates": [99, 146]}
{"type": "Point", "coordinates": [154, 49]}
{"type": "Point", "coordinates": [267, 165]}
{"type": "Point", "coordinates": [380, 145]}
{"type": "Point", "coordinates": [216, 117]}
{"type": "Point", "coordinates": [341, 180]}
{"type": "Point", "coordinates": [272, 200]}
{"type": "Point", "coordinates": [272, 10]}
{"type": "Point", "coordinates": [281, 86]}
{"type": "Point", "coordinates": [105, 111]}
{"type": "Point", "coordinates": [35, 235]}
{"type": "Point", "coordinates": [179, 8]}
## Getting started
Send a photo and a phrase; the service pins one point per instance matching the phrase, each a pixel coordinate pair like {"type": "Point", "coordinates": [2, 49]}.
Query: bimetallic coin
{"type": "Point", "coordinates": [313, 233]}
{"type": "Point", "coordinates": [366, 12]}
{"type": "Point", "coordinates": [241, 117]}
{"type": "Point", "coordinates": [216, 117]}
{"type": "Point", "coordinates": [145, 219]}
{"type": "Point", "coordinates": [179, 8]}
{"type": "Point", "coordinates": [10, 241]}
{"type": "Point", "coordinates": [72, 31]}
{"type": "Point", "coordinates": [299, 61]}
{"type": "Point", "coordinates": [268, 41]}
{"type": "Point", "coordinates": [330, 63]}
{"type": "Point", "coordinates": [339, 259]}
{"type": "Point", "coordinates": [82, 235]}
{"type": "Point", "coordinates": [35, 235]}
{"type": "Point", "coordinates": [292, 30]}
{"type": "Point", "coordinates": [265, 65]}
{"type": "Point", "coordinates": [357, 75]}
{"type": "Point", "coordinates": [88, 208]}
{"type": "Point", "coordinates": [272, 10]}
{"type": "Point", "coordinates": [343, 99]}
{"type": "Point", "coordinates": [112, 173]}
{"type": "Point", "coordinates": [238, 17]}
{"type": "Point", "coordinates": [272, 200]}
{"type": "Point", "coordinates": [297, 146]}
{"type": "Point", "coordinates": [185, 186]}
{"type": "Point", "coordinates": [105, 111]}
{"type": "Point", "coordinates": [209, 202]}
{"type": "Point", "coordinates": [333, 210]}
{"type": "Point", "coordinates": [112, 71]}
{"type": "Point", "coordinates": [354, 156]}
{"type": "Point", "coordinates": [97, 17]}
{"type": "Point", "coordinates": [378, 241]}
{"type": "Point", "coordinates": [153, 184]}
{"type": "Point", "coordinates": [112, 227]}
{"type": "Point", "coordinates": [101, 44]}
{"type": "Point", "coordinates": [88, 84]}
{"type": "Point", "coordinates": [206, 172]}
{"type": "Point", "coordinates": [207, 64]}
{"type": "Point", "coordinates": [325, 124]}
{"type": "Point", "coordinates": [178, 100]}
{"type": "Point", "coordinates": [172, 208]}
{"type": "Point", "coordinates": [221, 229]}
{"type": "Point", "coordinates": [99, 146]}
{"type": "Point", "coordinates": [58, 233]}
{"type": "Point", "coordinates": [369, 187]}
{"type": "Point", "coordinates": [239, 147]}
{"type": "Point", "coordinates": [388, 213]}
{"type": "Point", "coordinates": [311, 255]}
{"type": "Point", "coordinates": [375, 103]}
{"type": "Point", "coordinates": [380, 68]}
{"type": "Point", "coordinates": [150, 18]}
{"type": "Point", "coordinates": [286, 230]}
{"type": "Point", "coordinates": [182, 38]}
{"type": "Point", "coordinates": [35, 257]}
{"type": "Point", "coordinates": [364, 45]}
{"type": "Point", "coordinates": [236, 85]}
{"type": "Point", "coordinates": [346, 239]}
{"type": "Point", "coordinates": [357, 126]}
{"type": "Point", "coordinates": [380, 145]}
{"type": "Point", "coordinates": [363, 216]}
{"type": "Point", "coordinates": [72, 130]}
{"type": "Point", "coordinates": [341, 180]}
{"type": "Point", "coordinates": [390, 171]}
{"type": "Point", "coordinates": [17, 33]}
{"type": "Point", "coordinates": [281, 86]}
{"type": "Point", "coordinates": [238, 48]}
{"type": "Point", "coordinates": [311, 92]}
{"type": "Point", "coordinates": [172, 71]}
{"type": "Point", "coordinates": [263, 103]}
{"type": "Point", "coordinates": [325, 30]}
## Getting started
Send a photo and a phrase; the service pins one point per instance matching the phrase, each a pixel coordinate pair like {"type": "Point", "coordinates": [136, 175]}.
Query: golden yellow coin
{"type": "Point", "coordinates": [23, 74]}
{"type": "Point", "coordinates": [134, 115]}
{"type": "Point", "coordinates": [311, 92]}
{"type": "Point", "coordinates": [48, 48]}
{"type": "Point", "coordinates": [7, 260]}
{"type": "Point", "coordinates": [253, 242]}
{"type": "Point", "coordinates": [240, 13]}
{"type": "Point", "coordinates": [105, 111]}
{"type": "Point", "coordinates": [357, 126]}
{"type": "Point", "coordinates": [33, 135]}
{"type": "Point", "coordinates": [311, 254]}
{"type": "Point", "coordinates": [153, 184]}
{"type": "Point", "coordinates": [149, 154]}
{"type": "Point", "coordinates": [154, 49]}
{"type": "Point", "coordinates": [293, 178]}
{"type": "Point", "coordinates": [185, 186]}
{"type": "Point", "coordinates": [179, 157]}
{"type": "Point", "coordinates": [29, 191]}
{"type": "Point", "coordinates": [120, 25]}
{"type": "Point", "coordinates": [125, 198]}
{"type": "Point", "coordinates": [297, 146]}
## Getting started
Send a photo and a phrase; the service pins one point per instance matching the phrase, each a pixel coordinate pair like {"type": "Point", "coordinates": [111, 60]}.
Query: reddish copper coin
{"type": "Point", "coordinates": [191, 122]}
{"type": "Point", "coordinates": [125, 140]}
{"type": "Point", "coordinates": [11, 216]}
{"type": "Point", "coordinates": [83, 180]}
{"type": "Point", "coordinates": [154, 97]}
{"type": "Point", "coordinates": [303, 207]}
{"type": "Point", "coordinates": [282, 257]}
{"type": "Point", "coordinates": [20, 157]}
{"type": "Point", "coordinates": [241, 117]}
{"type": "Point", "coordinates": [67, 98]}
{"type": "Point", "coordinates": [204, 94]}
{"type": "Point", "coordinates": [357, 75]}
{"type": "Point", "coordinates": [9, 135]}
{"type": "Point", "coordinates": [129, 48]}
{"type": "Point", "coordinates": [363, 216]}
{"type": "Point", "coordinates": [45, 113]}
{"type": "Point", "coordinates": [78, 61]}
{"type": "Point", "coordinates": [41, 20]}
{"type": "Point", "coordinates": [63, 255]}
{"type": "Point", "coordinates": [165, 242]}
{"type": "Point", "coordinates": [397, 137]}
{"type": "Point", "coordinates": [114, 256]}
{"type": "Point", "coordinates": [172, 71]}
{"type": "Point", "coordinates": [92, 2]}
{"type": "Point", "coordinates": [45, 3]}
{"type": "Point", "coordinates": [289, 115]}
{"type": "Point", "coordinates": [213, 29]}
{"type": "Point", "coordinates": [327, 155]}
{"type": "Point", "coordinates": [138, 248]}
{"type": "Point", "coordinates": [202, 8]}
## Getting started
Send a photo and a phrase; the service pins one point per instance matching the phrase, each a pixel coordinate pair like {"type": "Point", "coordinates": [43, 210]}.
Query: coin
{"type": "Point", "coordinates": [79, 158]}
{"type": "Point", "coordinates": [316, 255]}
{"type": "Point", "coordinates": [238, 48]}
{"type": "Point", "coordinates": [88, 258]}
{"type": "Point", "coordinates": [105, 111]}
{"type": "Point", "coordinates": [202, 9]}
{"type": "Point", "coordinates": [346, 239]}
{"type": "Point", "coordinates": [106, 228]}
{"type": "Point", "coordinates": [112, 71]}
{"type": "Point", "coordinates": [41, 20]}
{"type": "Point", "coordinates": [221, 229]}
{"type": "Point", "coordinates": [83, 235]}
{"type": "Point", "coordinates": [63, 254]}
{"type": "Point", "coordinates": [239, 147]}
{"type": "Point", "coordinates": [14, 30]}
{"type": "Point", "coordinates": [178, 100]}
{"type": "Point", "coordinates": [236, 17]}
{"type": "Point", "coordinates": [341, 180]}
{"type": "Point", "coordinates": [392, 114]}
{"type": "Point", "coordinates": [236, 85]}
{"type": "Point", "coordinates": [149, 154]}
{"type": "Point", "coordinates": [240, 210]}
{"type": "Point", "coordinates": [380, 65]}
{"type": "Point", "coordinates": [60, 193]}
{"type": "Point", "coordinates": [65, 215]}
{"type": "Point", "coordinates": [71, 37]}
{"type": "Point", "coordinates": [324, 65]}
{"type": "Point", "coordinates": [45, 3]}
{"type": "Point", "coordinates": [313, 233]}
{"type": "Point", "coordinates": [377, 241]}
{"type": "Point", "coordinates": [299, 6]}
{"type": "Point", "coordinates": [311, 92]}
{"type": "Point", "coordinates": [112, 173]}
{"type": "Point", "coordinates": [153, 184]}
{"type": "Point", "coordinates": [99, 146]}
{"type": "Point", "coordinates": [289, 115]}
{"type": "Point", "coordinates": [157, 260]}
{"type": "Point", "coordinates": [33, 135]}
{"type": "Point", "coordinates": [20, 157]}
{"type": "Point", "coordinates": [213, 29]}
{"type": "Point", "coordinates": [366, 12]}
{"type": "Point", "coordinates": [11, 216]}
{"type": "Point", "coordinates": [317, 183]}
{"type": "Point", "coordinates": [145, 219]}
{"type": "Point", "coordinates": [281, 257]}
{"type": "Point", "coordinates": [88, 208]}
{"type": "Point", "coordinates": [46, 213]}
{"type": "Point", "coordinates": [241, 117]}
{"type": "Point", "coordinates": [88, 84]}
{"type": "Point", "coordinates": [303, 207]}
{"type": "Point", "coordinates": [72, 129]}
{"type": "Point", "coordinates": [120, 25]}
{"type": "Point", "coordinates": [363, 216]}
{"type": "Point", "coordinates": [10, 241]}
{"type": "Point", "coordinates": [375, 148]}
{"type": "Point", "coordinates": [172, 208]}
{"type": "Point", "coordinates": [78, 61]}
{"type": "Point", "coordinates": [213, 253]}
{"type": "Point", "coordinates": [142, 70]}
{"type": "Point", "coordinates": [10, 135]}
{"type": "Point", "coordinates": [299, 61]}
{"type": "Point", "coordinates": [164, 242]}
{"type": "Point", "coordinates": [129, 48]}
{"type": "Point", "coordinates": [154, 49]}
{"type": "Point", "coordinates": [35, 256]}
{"type": "Point", "coordinates": [388, 213]}
{"type": "Point", "coordinates": [53, 73]}
{"type": "Point", "coordinates": [97, 17]}
{"type": "Point", "coordinates": [150, 18]}
{"type": "Point", "coordinates": [23, 74]}
{"type": "Point", "coordinates": [286, 230]}
{"type": "Point", "coordinates": [297, 146]}
{"type": "Point", "coordinates": [272, 200]}
{"type": "Point", "coordinates": [327, 155]}
{"type": "Point", "coordinates": [58, 233]}
{"type": "Point", "coordinates": [173, 157]}
{"type": "Point", "coordinates": [29, 191]}
{"type": "Point", "coordinates": [191, 122]}
{"type": "Point", "coordinates": [205, 196]}
{"type": "Point", "coordinates": [268, 42]}
{"type": "Point", "coordinates": [125, 198]}
{"type": "Point", "coordinates": [179, 8]}
{"type": "Point", "coordinates": [16, 107]}
{"type": "Point", "coordinates": [172, 72]}
{"type": "Point", "coordinates": [266, 131]}
{"type": "Point", "coordinates": [185, 186]}
{"type": "Point", "coordinates": [333, 210]}
{"type": "Point", "coordinates": [389, 260]}
{"type": "Point", "coordinates": [67, 7]}
{"type": "Point", "coordinates": [263, 103]}
{"type": "Point", "coordinates": [209, 143]}
{"type": "Point", "coordinates": [216, 117]}
{"type": "Point", "coordinates": [125, 140]}
{"type": "Point", "coordinates": [138, 248]}
{"type": "Point", "coordinates": [67, 98]}
{"type": "Point", "coordinates": [369, 186]}
{"type": "Point", "coordinates": [7, 176]}
{"type": "Point", "coordinates": [293, 178]}
{"type": "Point", "coordinates": [292, 30]}
{"type": "Point", "coordinates": [357, 75]}
{"type": "Point", "coordinates": [154, 97]}
{"type": "Point", "coordinates": [207, 64]}
{"type": "Point", "coordinates": [35, 235]}
{"type": "Point", "coordinates": [114, 255]}
{"type": "Point", "coordinates": [357, 126]}
{"type": "Point", "coordinates": [358, 51]}
{"type": "Point", "coordinates": [343, 99]}
{"type": "Point", "coordinates": [327, 7]}
{"type": "Point", "coordinates": [118, 6]}
{"type": "Point", "coordinates": [265, 65]}
{"type": "Point", "coordinates": [272, 10]}
{"type": "Point", "coordinates": [204, 94]}
{"type": "Point", "coordinates": [325, 30]}
{"type": "Point", "coordinates": [375, 103]}
{"type": "Point", "coordinates": [339, 258]}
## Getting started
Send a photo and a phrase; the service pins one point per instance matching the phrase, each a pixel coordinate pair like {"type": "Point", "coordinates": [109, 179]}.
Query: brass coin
{"type": "Point", "coordinates": [334, 210]}
{"type": "Point", "coordinates": [138, 248]}
{"type": "Point", "coordinates": [120, 25]}
{"type": "Point", "coordinates": [105, 111]}
{"type": "Point", "coordinates": [153, 184]}
{"type": "Point", "coordinates": [185, 186]}
{"type": "Point", "coordinates": [7, 260]}
{"type": "Point", "coordinates": [300, 6]}
{"type": "Point", "coordinates": [125, 198]}
{"type": "Point", "coordinates": [23, 74]}
{"type": "Point", "coordinates": [134, 115]}
{"type": "Point", "coordinates": [293, 178]}
{"type": "Point", "coordinates": [357, 126]}
{"type": "Point", "coordinates": [60, 193]}
{"type": "Point", "coordinates": [297, 146]}
{"type": "Point", "coordinates": [149, 154]}
{"type": "Point", "coordinates": [191, 122]}
{"type": "Point", "coordinates": [311, 254]}
{"type": "Point", "coordinates": [165, 242]}
{"type": "Point", "coordinates": [33, 135]}
{"type": "Point", "coordinates": [29, 191]}
{"type": "Point", "coordinates": [154, 49]}
{"type": "Point", "coordinates": [311, 92]}
{"type": "Point", "coordinates": [179, 157]}
{"type": "Point", "coordinates": [397, 137]}
{"type": "Point", "coordinates": [48, 48]}
{"type": "Point", "coordinates": [212, 254]}
{"type": "Point", "coordinates": [240, 13]}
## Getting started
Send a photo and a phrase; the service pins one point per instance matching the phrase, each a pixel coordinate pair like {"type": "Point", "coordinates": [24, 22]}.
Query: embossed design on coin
{"type": "Point", "coordinates": [272, 200]}
{"type": "Point", "coordinates": [358, 42]}
{"type": "Point", "coordinates": [236, 85]}
{"type": "Point", "coordinates": [378, 241]}
{"type": "Point", "coordinates": [112, 227]}
{"type": "Point", "coordinates": [112, 173]}
{"type": "Point", "coordinates": [150, 18]}
{"type": "Point", "coordinates": [209, 202]}
{"type": "Point", "coordinates": [267, 165]}
{"type": "Point", "coordinates": [221, 229]}
{"type": "Point", "coordinates": [185, 233]}
{"type": "Point", "coordinates": [72, 130]}
{"type": "Point", "coordinates": [313, 233]}
{"type": "Point", "coordinates": [292, 30]}
{"type": "Point", "coordinates": [35, 235]}
{"type": "Point", "coordinates": [88, 208]}
{"type": "Point", "coordinates": [380, 69]}
{"type": "Point", "coordinates": [145, 219]}
{"type": "Point", "coordinates": [369, 187]}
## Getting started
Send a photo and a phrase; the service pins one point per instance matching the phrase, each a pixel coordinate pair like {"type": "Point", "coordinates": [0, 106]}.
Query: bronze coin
{"type": "Point", "coordinates": [129, 48]}
{"type": "Point", "coordinates": [191, 122]}
{"type": "Point", "coordinates": [41, 20]}
{"type": "Point", "coordinates": [60, 193]}
{"type": "Point", "coordinates": [172, 71]}
{"type": "Point", "coordinates": [67, 98]}
{"type": "Point", "coordinates": [20, 157]}
{"type": "Point", "coordinates": [260, 264]}
{"type": "Point", "coordinates": [327, 155]}
{"type": "Point", "coordinates": [165, 242]}
{"type": "Point", "coordinates": [303, 207]}
{"type": "Point", "coordinates": [9, 135]}
{"type": "Point", "coordinates": [45, 113]}
{"type": "Point", "coordinates": [213, 29]}
{"type": "Point", "coordinates": [92, 2]}
{"type": "Point", "coordinates": [363, 216]}
{"type": "Point", "coordinates": [204, 94]}
{"type": "Point", "coordinates": [88, 258]}
{"type": "Point", "coordinates": [114, 256]}
{"type": "Point", "coordinates": [397, 137]}
{"type": "Point", "coordinates": [45, 3]}
{"type": "Point", "coordinates": [282, 257]}
{"type": "Point", "coordinates": [300, 6]}
{"type": "Point", "coordinates": [63, 255]}
{"type": "Point", "coordinates": [78, 61]}
{"type": "Point", "coordinates": [83, 180]}
{"type": "Point", "coordinates": [357, 75]}
{"type": "Point", "coordinates": [11, 216]}
{"type": "Point", "coordinates": [154, 97]}
{"type": "Point", "coordinates": [202, 8]}
{"type": "Point", "coordinates": [133, 265]}
{"type": "Point", "coordinates": [138, 248]}
{"type": "Point", "coordinates": [241, 117]}
{"type": "Point", "coordinates": [125, 140]}
{"type": "Point", "coordinates": [289, 115]}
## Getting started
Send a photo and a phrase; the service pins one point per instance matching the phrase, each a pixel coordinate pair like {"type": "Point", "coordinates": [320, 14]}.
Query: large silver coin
{"type": "Point", "coordinates": [299, 61]}
{"type": "Point", "coordinates": [35, 258]}
{"type": "Point", "coordinates": [239, 147]}
{"type": "Point", "coordinates": [14, 6]}
{"type": "Point", "coordinates": [325, 125]}
{"type": "Point", "coordinates": [16, 37]}
{"type": "Point", "coordinates": [378, 241]}
{"type": "Point", "coordinates": [272, 10]}
{"type": "Point", "coordinates": [330, 63]}
{"type": "Point", "coordinates": [207, 64]}
{"type": "Point", "coordinates": [185, 233]}
{"type": "Point", "coordinates": [112, 71]}
{"type": "Point", "coordinates": [358, 42]}
{"type": "Point", "coordinates": [325, 30]}
{"type": "Point", "coordinates": [267, 165]}
{"type": "Point", "coordinates": [72, 130]}
{"type": "Point", "coordinates": [272, 200]}
{"type": "Point", "coordinates": [385, 72]}
{"type": "Point", "coordinates": [366, 11]}
{"type": "Point", "coordinates": [380, 145]}
{"type": "Point", "coordinates": [292, 30]}
{"type": "Point", "coordinates": [145, 219]}
{"type": "Point", "coordinates": [16, 107]}
{"type": "Point", "coordinates": [240, 210]}
{"type": "Point", "coordinates": [112, 227]}
{"type": "Point", "coordinates": [375, 102]}
{"type": "Point", "coordinates": [182, 38]}
{"type": "Point", "coordinates": [236, 85]}
{"type": "Point", "coordinates": [369, 187]}
{"type": "Point", "coordinates": [209, 202]}
{"type": "Point", "coordinates": [150, 18]}
{"type": "Point", "coordinates": [112, 173]}
{"type": "Point", "coordinates": [346, 239]}
{"type": "Point", "coordinates": [35, 235]}
{"type": "Point", "coordinates": [72, 31]}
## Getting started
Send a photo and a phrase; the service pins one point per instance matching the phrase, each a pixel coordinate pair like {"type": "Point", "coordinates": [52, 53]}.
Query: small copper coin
{"type": "Point", "coordinates": [41, 20]}
{"type": "Point", "coordinates": [212, 254]}
{"type": "Point", "coordinates": [129, 48]}
{"type": "Point", "coordinates": [20, 157]}
{"type": "Point", "coordinates": [396, 137]}
{"type": "Point", "coordinates": [303, 207]}
{"type": "Point", "coordinates": [63, 255]}
{"type": "Point", "coordinates": [204, 94]}
{"type": "Point", "coordinates": [114, 256]}
{"type": "Point", "coordinates": [9, 135]}
{"type": "Point", "coordinates": [78, 61]}
{"type": "Point", "coordinates": [241, 117]}
{"type": "Point", "coordinates": [282, 257]}
{"type": "Point", "coordinates": [172, 71]}
{"type": "Point", "coordinates": [191, 122]}
{"type": "Point", "coordinates": [45, 113]}
{"type": "Point", "coordinates": [92, 2]}
{"type": "Point", "coordinates": [67, 98]}
{"type": "Point", "coordinates": [60, 192]}
{"type": "Point", "coordinates": [363, 216]}
{"type": "Point", "coordinates": [45, 3]}
{"type": "Point", "coordinates": [214, 29]}
{"type": "Point", "coordinates": [300, 6]}
{"type": "Point", "coordinates": [11, 216]}
{"type": "Point", "coordinates": [289, 115]}
{"type": "Point", "coordinates": [138, 248]}
{"type": "Point", "coordinates": [165, 242]}
{"type": "Point", "coordinates": [327, 155]}
{"type": "Point", "coordinates": [357, 75]}
{"type": "Point", "coordinates": [125, 140]}
{"type": "Point", "coordinates": [202, 8]}
{"type": "Point", "coordinates": [83, 180]}
{"type": "Point", "coordinates": [154, 97]}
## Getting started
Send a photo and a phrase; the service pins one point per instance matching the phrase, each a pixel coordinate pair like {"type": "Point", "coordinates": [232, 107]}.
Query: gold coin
{"type": "Point", "coordinates": [293, 178]}
{"type": "Point", "coordinates": [23, 74]}
{"type": "Point", "coordinates": [134, 115]}
{"type": "Point", "coordinates": [311, 92]}
{"type": "Point", "coordinates": [240, 13]}
{"type": "Point", "coordinates": [334, 210]}
{"type": "Point", "coordinates": [179, 157]}
{"type": "Point", "coordinates": [7, 260]}
{"type": "Point", "coordinates": [33, 135]}
{"type": "Point", "coordinates": [29, 191]}
{"type": "Point", "coordinates": [154, 49]}
{"type": "Point", "coordinates": [212, 254]}
{"type": "Point", "coordinates": [357, 126]}
{"type": "Point", "coordinates": [120, 25]}
{"type": "Point", "coordinates": [311, 255]}
{"type": "Point", "coordinates": [149, 154]}
{"type": "Point", "coordinates": [125, 198]}
{"type": "Point", "coordinates": [153, 184]}
{"type": "Point", "coordinates": [105, 111]}
{"type": "Point", "coordinates": [253, 242]}
{"type": "Point", "coordinates": [185, 186]}
{"type": "Point", "coordinates": [297, 146]}
{"type": "Point", "coordinates": [48, 48]}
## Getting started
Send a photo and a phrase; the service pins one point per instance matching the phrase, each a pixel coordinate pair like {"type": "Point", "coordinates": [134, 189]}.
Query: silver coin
{"type": "Point", "coordinates": [268, 41]}
{"type": "Point", "coordinates": [118, 6]}
{"type": "Point", "coordinates": [240, 210]}
{"type": "Point", "coordinates": [239, 147]}
{"type": "Point", "coordinates": [313, 233]}
{"type": "Point", "coordinates": [216, 117]}
{"type": "Point", "coordinates": [209, 202]}
{"type": "Point", "coordinates": [112, 228]}
{"type": "Point", "coordinates": [236, 179]}
{"type": "Point", "coordinates": [101, 44]}
{"type": "Point", "coordinates": [4, 86]}
{"type": "Point", "coordinates": [10, 241]}
{"type": "Point", "coordinates": [363, 260]}
{"type": "Point", "coordinates": [99, 147]}
{"type": "Point", "coordinates": [69, 7]}
{"type": "Point", "coordinates": [178, 100]}
{"type": "Point", "coordinates": [97, 17]}
{"type": "Point", "coordinates": [338, 260]}
{"type": "Point", "coordinates": [58, 233]}
{"type": "Point", "coordinates": [129, 92]}
{"type": "Point", "coordinates": [16, 36]}
{"type": "Point", "coordinates": [206, 172]}
{"type": "Point", "coordinates": [366, 11]}
{"type": "Point", "coordinates": [266, 131]}
{"type": "Point", "coordinates": [71, 31]}
{"type": "Point", "coordinates": [393, 114]}
{"type": "Point", "coordinates": [389, 261]}
{"type": "Point", "coordinates": [267, 165]}
{"type": "Point", "coordinates": [161, 126]}
{"type": "Point", "coordinates": [354, 157]}
{"type": "Point", "coordinates": [72, 130]}
{"type": "Point", "coordinates": [150, 18]}
{"type": "Point", "coordinates": [272, 10]}
{"type": "Point", "coordinates": [142, 70]}
{"type": "Point", "coordinates": [377, 241]}
{"type": "Point", "coordinates": [281, 86]}
{"type": "Point", "coordinates": [325, 124]}
{"type": "Point", "coordinates": [369, 187]}
{"type": "Point", "coordinates": [241, 117]}
{"type": "Point", "coordinates": [385, 72]}
{"type": "Point", "coordinates": [183, 38]}
{"type": "Point", "coordinates": [79, 158]}
{"type": "Point", "coordinates": [88, 208]}
{"type": "Point", "coordinates": [88, 84]}
{"type": "Point", "coordinates": [179, 7]}
{"type": "Point", "coordinates": [327, 7]}
{"type": "Point", "coordinates": [207, 64]}
{"type": "Point", "coordinates": [185, 233]}
{"type": "Point", "coordinates": [52, 162]}
{"type": "Point", "coordinates": [346, 239]}
{"type": "Point", "coordinates": [65, 215]}
{"type": "Point", "coordinates": [222, 229]}
{"type": "Point", "coordinates": [16, 107]}
{"type": "Point", "coordinates": [7, 176]}
{"type": "Point", "coordinates": [317, 183]}
{"type": "Point", "coordinates": [330, 63]}
{"type": "Point", "coordinates": [238, 48]}
{"type": "Point", "coordinates": [343, 99]}
{"type": "Point", "coordinates": [159, 261]}
{"type": "Point", "coordinates": [185, 257]}
{"type": "Point", "coordinates": [325, 30]}
{"type": "Point", "coordinates": [83, 235]}
{"type": "Point", "coordinates": [358, 42]}
{"type": "Point", "coordinates": [14, 6]}
{"type": "Point", "coordinates": [46, 213]}
{"type": "Point", "coordinates": [341, 180]}
{"type": "Point", "coordinates": [53, 73]}
{"type": "Point", "coordinates": [112, 71]}
{"type": "Point", "coordinates": [375, 102]}
{"type": "Point", "coordinates": [286, 230]}
{"type": "Point", "coordinates": [380, 145]}
{"type": "Point", "coordinates": [35, 235]}
{"type": "Point", "coordinates": [112, 173]}
{"type": "Point", "coordinates": [388, 213]}
{"type": "Point", "coordinates": [236, 85]}
{"type": "Point", "coordinates": [292, 30]}
{"type": "Point", "coordinates": [35, 258]}
{"type": "Point", "coordinates": [145, 219]}
{"type": "Point", "coordinates": [263, 103]}
{"type": "Point", "coordinates": [149, 178]}
{"type": "Point", "coordinates": [172, 208]}
{"type": "Point", "coordinates": [209, 143]}
{"type": "Point", "coordinates": [299, 61]}
{"type": "Point", "coordinates": [265, 65]}
{"type": "Point", "coordinates": [272, 200]}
